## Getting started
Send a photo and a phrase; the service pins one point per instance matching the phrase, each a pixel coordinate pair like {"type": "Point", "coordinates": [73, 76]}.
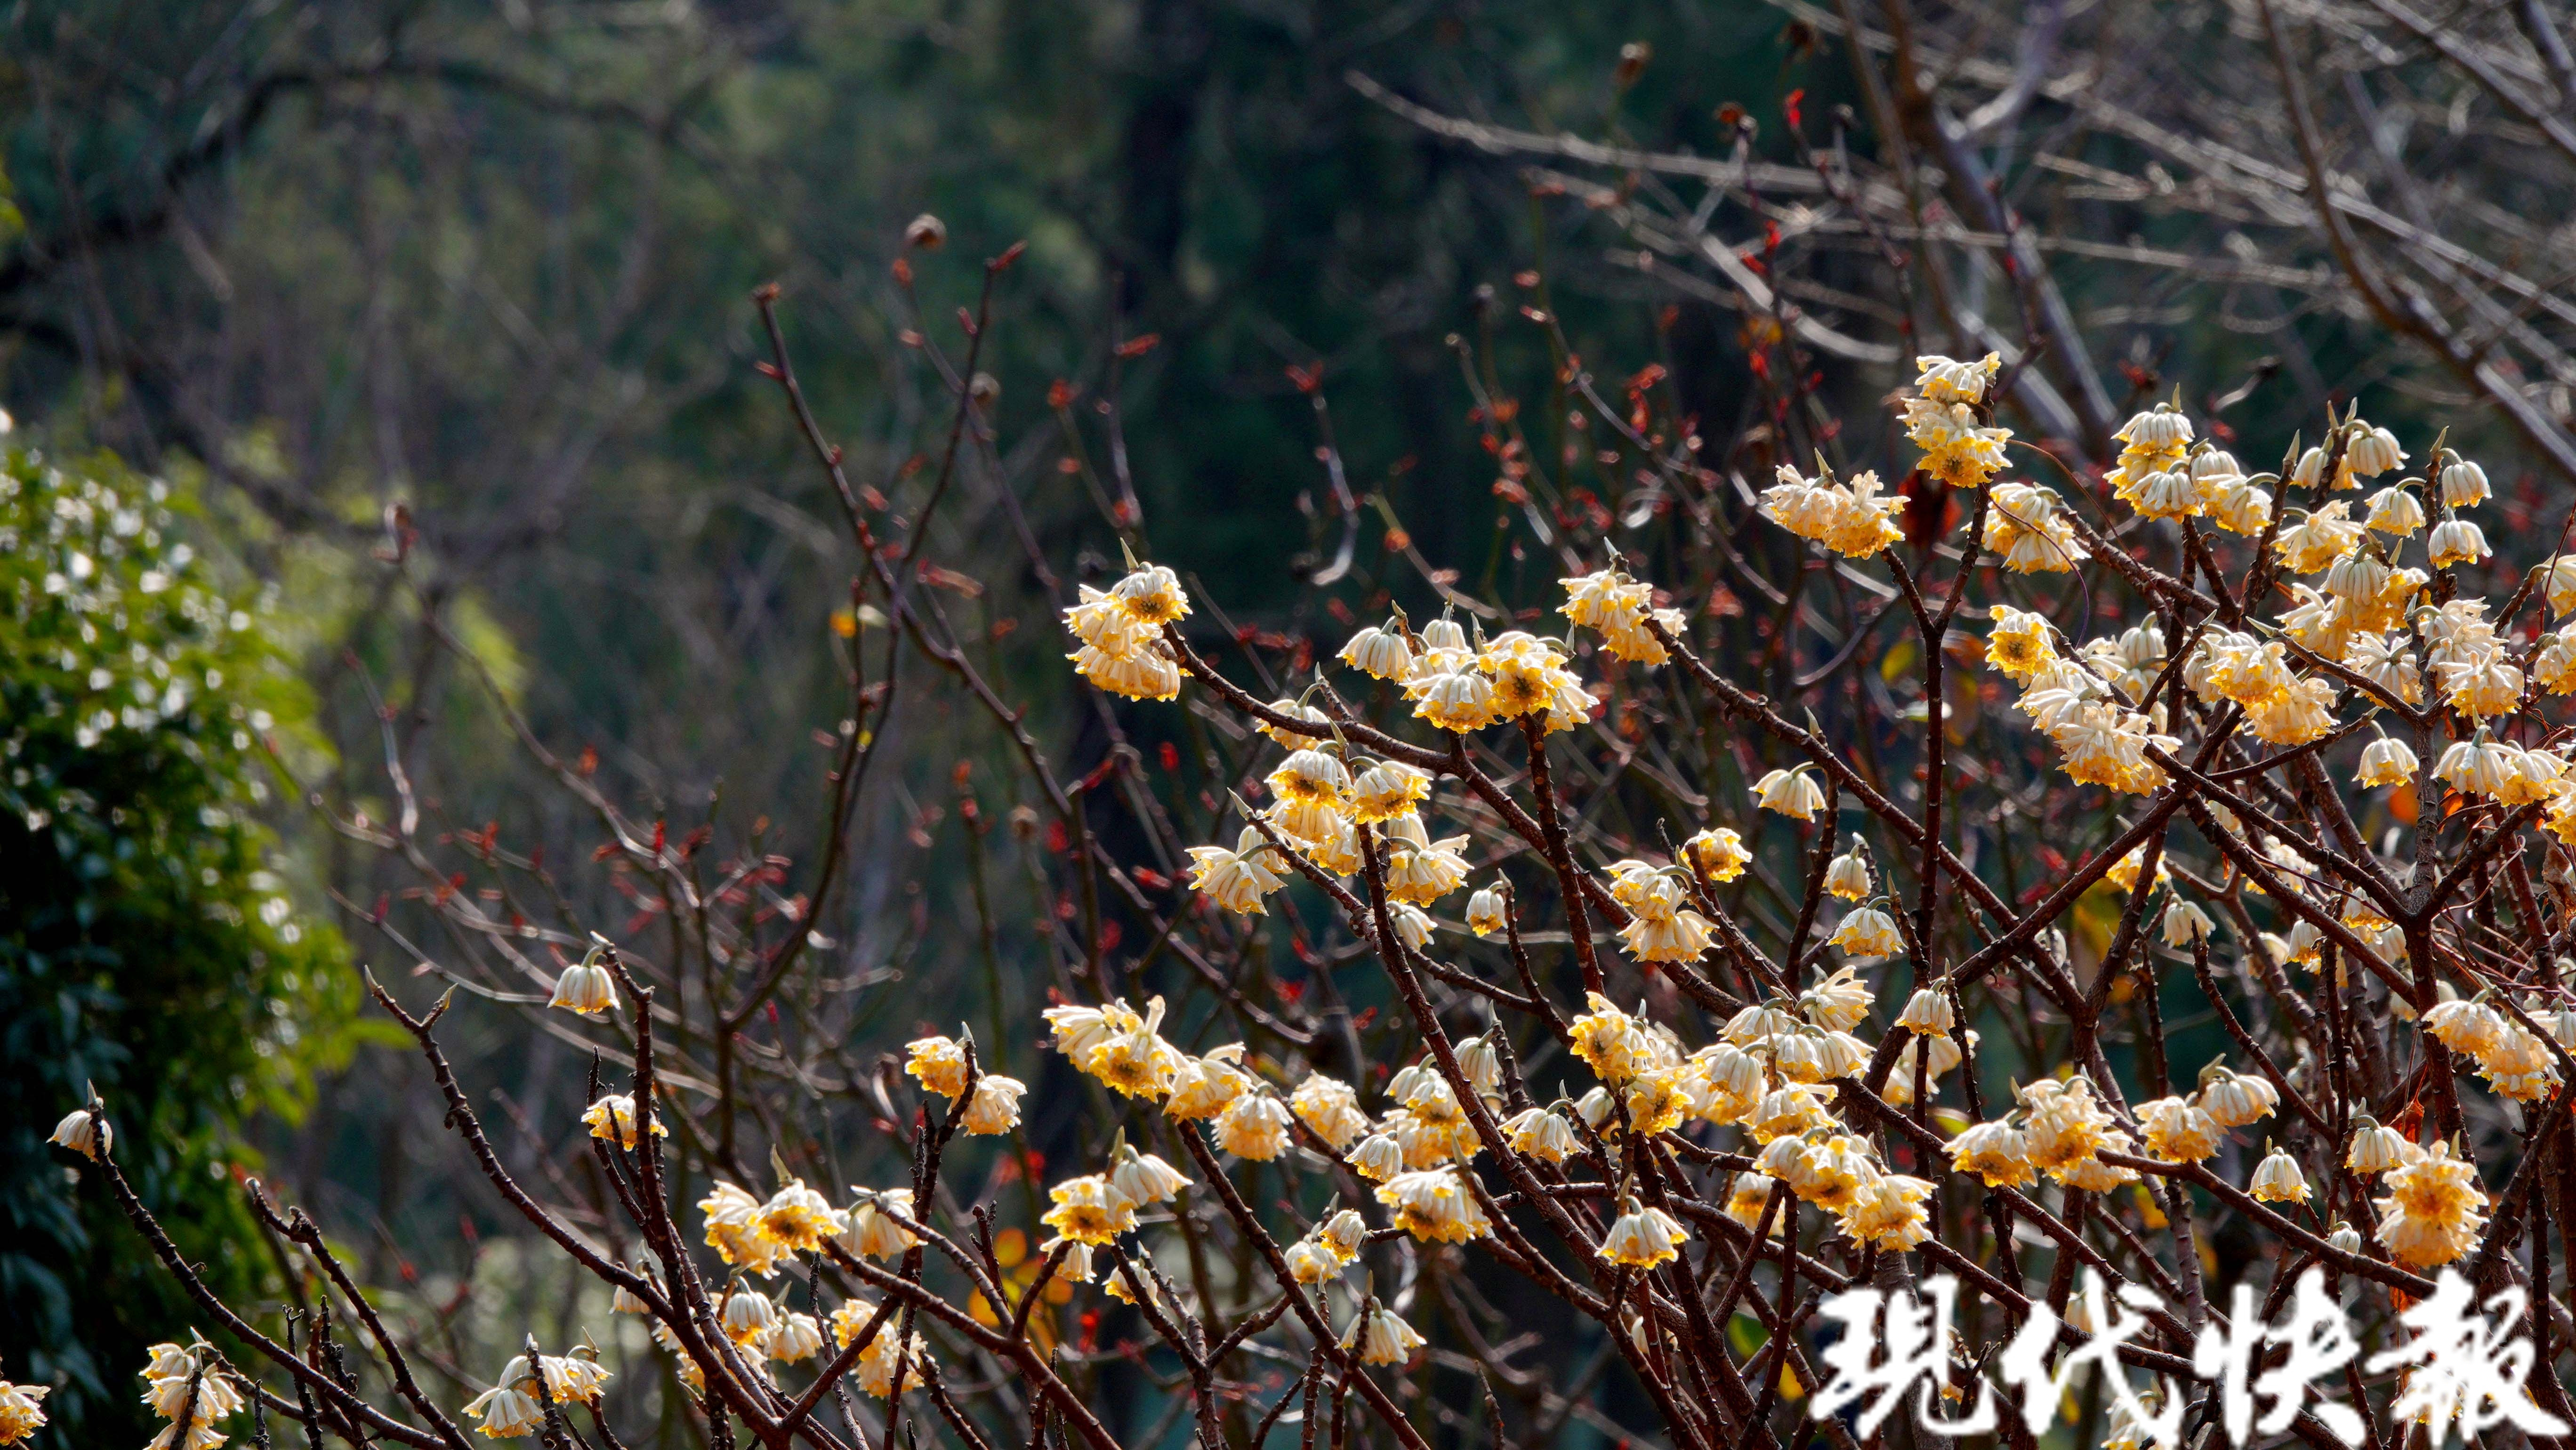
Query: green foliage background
{"type": "Point", "coordinates": [147, 943]}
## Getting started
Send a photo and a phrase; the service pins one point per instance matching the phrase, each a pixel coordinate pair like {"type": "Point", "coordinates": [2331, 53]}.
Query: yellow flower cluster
{"type": "Point", "coordinates": [1946, 416]}
{"type": "Point", "coordinates": [2026, 526]}
{"type": "Point", "coordinates": [22, 1411]}
{"type": "Point", "coordinates": [875, 1370]}
{"type": "Point", "coordinates": [1121, 634]}
{"type": "Point", "coordinates": [2509, 1055]}
{"type": "Point", "coordinates": [2060, 1128]}
{"type": "Point", "coordinates": [753, 1235]}
{"type": "Point", "coordinates": [1462, 689]}
{"type": "Point", "coordinates": [2102, 739]}
{"type": "Point", "coordinates": [612, 1119]}
{"type": "Point", "coordinates": [1660, 927]}
{"type": "Point", "coordinates": [184, 1387]}
{"type": "Point", "coordinates": [1849, 518]}
{"type": "Point", "coordinates": [1840, 1173]}
{"type": "Point", "coordinates": [2280, 707]}
{"type": "Point", "coordinates": [2163, 476]}
{"type": "Point", "coordinates": [2431, 1215]}
{"type": "Point", "coordinates": [940, 1065]}
{"type": "Point", "coordinates": [2188, 1129]}
{"type": "Point", "coordinates": [1620, 608]}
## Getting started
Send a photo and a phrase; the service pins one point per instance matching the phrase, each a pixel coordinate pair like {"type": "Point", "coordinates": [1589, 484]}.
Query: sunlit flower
{"type": "Point", "coordinates": [1088, 1210]}
{"type": "Point", "coordinates": [1604, 599]}
{"type": "Point", "coordinates": [2125, 871]}
{"type": "Point", "coordinates": [2373, 451]}
{"type": "Point", "coordinates": [1790, 793]}
{"type": "Point", "coordinates": [505, 1412]}
{"type": "Point", "coordinates": [1747, 1198]}
{"type": "Point", "coordinates": [1205, 1086]}
{"type": "Point", "coordinates": [1543, 1134]}
{"type": "Point", "coordinates": [2456, 541]}
{"type": "Point", "coordinates": [1080, 1029]}
{"type": "Point", "coordinates": [1787, 1110]}
{"type": "Point", "coordinates": [2064, 1122]}
{"type": "Point", "coordinates": [747, 1316]}
{"type": "Point", "coordinates": [1294, 739]}
{"type": "Point", "coordinates": [733, 1230]}
{"type": "Point", "coordinates": [1678, 937]}
{"type": "Point", "coordinates": [1890, 1212]}
{"type": "Point", "coordinates": [795, 1338]}
{"type": "Point", "coordinates": [2026, 524]}
{"type": "Point", "coordinates": [1932, 1056]}
{"type": "Point", "coordinates": [1145, 674]}
{"type": "Point", "coordinates": [1839, 1002]}
{"type": "Point", "coordinates": [1434, 1205]}
{"type": "Point", "coordinates": [84, 1133]}
{"type": "Point", "coordinates": [586, 988]}
{"type": "Point", "coordinates": [1609, 1041]}
{"type": "Point", "coordinates": [2376, 1149]}
{"type": "Point", "coordinates": [1309, 1262]}
{"type": "Point", "coordinates": [885, 1360]}
{"type": "Point", "coordinates": [1847, 875]}
{"type": "Point", "coordinates": [1237, 880]}
{"type": "Point", "coordinates": [2317, 540]}
{"type": "Point", "coordinates": [1380, 650]}
{"type": "Point", "coordinates": [21, 1412]}
{"type": "Point", "coordinates": [2234, 1099]}
{"type": "Point", "coordinates": [1944, 380]}
{"type": "Point", "coordinates": [1642, 1238]}
{"type": "Point", "coordinates": [1833, 1173]}
{"type": "Point", "coordinates": [940, 1064]}
{"type": "Point", "coordinates": [2277, 1179]}
{"type": "Point", "coordinates": [1331, 1109]}
{"type": "Point", "coordinates": [1387, 789]}
{"type": "Point", "coordinates": [2184, 923]}
{"type": "Point", "coordinates": [1731, 1080]}
{"type": "Point", "coordinates": [1381, 1337]}
{"type": "Point", "coordinates": [1868, 932]}
{"type": "Point", "coordinates": [1928, 1013]}
{"type": "Point", "coordinates": [995, 1107]}
{"type": "Point", "coordinates": [2178, 1130]}
{"type": "Point", "coordinates": [1145, 1179]}
{"type": "Point", "coordinates": [2019, 645]}
{"type": "Point", "coordinates": [2466, 1026]}
{"type": "Point", "coordinates": [613, 1118]}
{"type": "Point", "coordinates": [2464, 484]}
{"type": "Point", "coordinates": [798, 1219]}
{"type": "Point", "coordinates": [2395, 510]}
{"type": "Point", "coordinates": [1458, 701]}
{"type": "Point", "coordinates": [2386, 761]}
{"type": "Point", "coordinates": [1418, 872]}
{"type": "Point", "coordinates": [1378, 1157]}
{"type": "Point", "coordinates": [1481, 1063]}
{"type": "Point", "coordinates": [2431, 1215]}
{"type": "Point", "coordinates": [873, 1231]}
{"type": "Point", "coordinates": [1718, 853]}
{"type": "Point", "coordinates": [1137, 1063]}
{"type": "Point", "coordinates": [1957, 448]}
{"type": "Point", "coordinates": [1254, 1127]}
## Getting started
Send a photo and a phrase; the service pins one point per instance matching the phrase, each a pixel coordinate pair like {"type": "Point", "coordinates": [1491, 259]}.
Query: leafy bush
{"type": "Point", "coordinates": [145, 945]}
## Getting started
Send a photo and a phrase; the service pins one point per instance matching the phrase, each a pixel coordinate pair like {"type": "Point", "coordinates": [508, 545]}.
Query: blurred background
{"type": "Point", "coordinates": [426, 333]}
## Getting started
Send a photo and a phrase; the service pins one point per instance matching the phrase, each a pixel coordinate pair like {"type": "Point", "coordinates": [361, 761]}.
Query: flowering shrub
{"type": "Point", "coordinates": [1740, 1012]}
